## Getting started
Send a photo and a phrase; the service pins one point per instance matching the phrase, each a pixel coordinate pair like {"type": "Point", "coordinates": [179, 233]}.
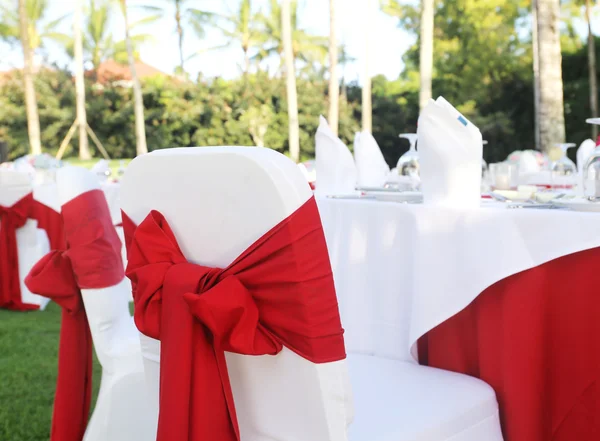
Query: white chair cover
{"type": "Point", "coordinates": [120, 413]}
{"type": "Point", "coordinates": [247, 191]}
{"type": "Point", "coordinates": [32, 242]}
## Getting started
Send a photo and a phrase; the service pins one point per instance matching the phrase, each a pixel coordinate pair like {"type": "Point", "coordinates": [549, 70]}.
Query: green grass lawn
{"type": "Point", "coordinates": [28, 365]}
{"type": "Point", "coordinates": [114, 164]}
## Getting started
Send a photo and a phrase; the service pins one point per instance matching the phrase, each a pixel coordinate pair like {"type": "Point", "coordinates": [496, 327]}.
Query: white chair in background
{"type": "Point", "coordinates": [32, 242]}
{"type": "Point", "coordinates": [120, 413]}
{"type": "Point", "coordinates": [247, 191]}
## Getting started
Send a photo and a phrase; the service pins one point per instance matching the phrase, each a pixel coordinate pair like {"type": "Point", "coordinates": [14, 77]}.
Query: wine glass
{"type": "Point", "coordinates": [563, 170]}
{"type": "Point", "coordinates": [408, 164]}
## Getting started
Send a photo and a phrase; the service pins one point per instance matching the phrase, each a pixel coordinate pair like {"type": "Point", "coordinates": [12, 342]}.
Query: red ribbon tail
{"type": "Point", "coordinates": [74, 382]}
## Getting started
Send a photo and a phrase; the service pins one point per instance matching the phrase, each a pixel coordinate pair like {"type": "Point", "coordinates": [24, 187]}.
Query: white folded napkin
{"type": "Point", "coordinates": [102, 169]}
{"type": "Point", "coordinates": [371, 167]}
{"type": "Point", "coordinates": [450, 154]}
{"type": "Point", "coordinates": [335, 168]}
{"type": "Point", "coordinates": [584, 152]}
{"type": "Point", "coordinates": [528, 163]}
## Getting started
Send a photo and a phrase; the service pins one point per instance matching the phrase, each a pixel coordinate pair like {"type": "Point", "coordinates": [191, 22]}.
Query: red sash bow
{"type": "Point", "coordinates": [92, 260]}
{"type": "Point", "coordinates": [279, 292]}
{"type": "Point", "coordinates": [11, 219]}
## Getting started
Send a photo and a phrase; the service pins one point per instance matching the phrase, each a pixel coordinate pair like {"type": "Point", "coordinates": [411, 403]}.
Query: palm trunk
{"type": "Point", "coordinates": [246, 61]}
{"type": "Point", "coordinates": [592, 68]}
{"type": "Point", "coordinates": [290, 73]}
{"type": "Point", "coordinates": [552, 117]}
{"type": "Point", "coordinates": [84, 150]}
{"type": "Point", "coordinates": [536, 76]}
{"type": "Point", "coordinates": [180, 35]}
{"type": "Point", "coordinates": [334, 87]}
{"type": "Point", "coordinates": [33, 119]}
{"type": "Point", "coordinates": [367, 107]}
{"type": "Point", "coordinates": [426, 52]}
{"type": "Point", "coordinates": [138, 101]}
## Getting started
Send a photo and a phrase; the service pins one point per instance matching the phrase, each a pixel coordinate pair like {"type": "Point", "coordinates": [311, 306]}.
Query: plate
{"type": "Point", "coordinates": [578, 204]}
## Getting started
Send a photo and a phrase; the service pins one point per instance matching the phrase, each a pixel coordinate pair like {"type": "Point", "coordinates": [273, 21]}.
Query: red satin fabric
{"type": "Point", "coordinates": [92, 260]}
{"type": "Point", "coordinates": [51, 222]}
{"type": "Point", "coordinates": [534, 337]}
{"type": "Point", "coordinates": [279, 292]}
{"type": "Point", "coordinates": [11, 219]}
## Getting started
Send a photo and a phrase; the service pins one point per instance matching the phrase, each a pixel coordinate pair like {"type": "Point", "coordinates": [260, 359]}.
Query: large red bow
{"type": "Point", "coordinates": [11, 219]}
{"type": "Point", "coordinates": [279, 292]}
{"type": "Point", "coordinates": [92, 260]}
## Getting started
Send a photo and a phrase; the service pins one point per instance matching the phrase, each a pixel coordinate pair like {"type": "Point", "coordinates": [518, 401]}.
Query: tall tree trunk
{"type": "Point", "coordinates": [84, 150]}
{"type": "Point", "coordinates": [33, 119]}
{"type": "Point", "coordinates": [536, 75]}
{"type": "Point", "coordinates": [367, 107]}
{"type": "Point", "coordinates": [426, 52]}
{"type": "Point", "coordinates": [290, 73]}
{"type": "Point", "coordinates": [246, 61]}
{"type": "Point", "coordinates": [552, 117]}
{"type": "Point", "coordinates": [334, 86]}
{"type": "Point", "coordinates": [592, 67]}
{"type": "Point", "coordinates": [138, 101]}
{"type": "Point", "coordinates": [180, 35]}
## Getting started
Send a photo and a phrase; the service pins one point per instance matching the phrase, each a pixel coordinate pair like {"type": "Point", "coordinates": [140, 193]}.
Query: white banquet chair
{"type": "Point", "coordinates": [32, 242]}
{"type": "Point", "coordinates": [120, 413]}
{"type": "Point", "coordinates": [247, 191]}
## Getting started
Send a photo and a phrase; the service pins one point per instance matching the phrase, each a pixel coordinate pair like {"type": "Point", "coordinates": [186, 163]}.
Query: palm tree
{"type": "Point", "coordinates": [84, 150]}
{"type": "Point", "coordinates": [290, 73]}
{"type": "Point", "coordinates": [138, 100]}
{"type": "Point", "coordinates": [33, 119]}
{"type": "Point", "coordinates": [367, 108]}
{"type": "Point", "coordinates": [334, 86]}
{"type": "Point", "coordinates": [25, 25]}
{"type": "Point", "coordinates": [551, 111]}
{"type": "Point", "coordinates": [536, 75]}
{"type": "Point", "coordinates": [305, 47]}
{"type": "Point", "coordinates": [97, 39]}
{"type": "Point", "coordinates": [196, 19]}
{"type": "Point", "coordinates": [426, 52]}
{"type": "Point", "coordinates": [592, 67]}
{"type": "Point", "coordinates": [243, 30]}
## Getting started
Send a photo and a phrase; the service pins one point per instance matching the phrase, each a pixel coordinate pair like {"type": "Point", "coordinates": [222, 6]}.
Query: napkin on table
{"type": "Point", "coordinates": [584, 152]}
{"type": "Point", "coordinates": [450, 153]}
{"type": "Point", "coordinates": [372, 170]}
{"type": "Point", "coordinates": [335, 168]}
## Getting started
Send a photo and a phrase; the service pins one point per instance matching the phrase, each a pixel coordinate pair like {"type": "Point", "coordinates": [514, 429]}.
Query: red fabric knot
{"type": "Point", "coordinates": [279, 292]}
{"type": "Point", "coordinates": [92, 260]}
{"type": "Point", "coordinates": [11, 219]}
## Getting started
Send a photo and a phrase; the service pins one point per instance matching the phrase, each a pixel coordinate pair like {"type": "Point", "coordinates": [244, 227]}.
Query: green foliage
{"type": "Point", "coordinates": [178, 114]}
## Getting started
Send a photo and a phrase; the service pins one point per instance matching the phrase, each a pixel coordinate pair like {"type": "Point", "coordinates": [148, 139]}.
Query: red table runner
{"type": "Point", "coordinates": [534, 337]}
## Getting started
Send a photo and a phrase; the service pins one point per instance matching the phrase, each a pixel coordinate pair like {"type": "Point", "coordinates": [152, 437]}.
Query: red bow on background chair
{"type": "Point", "coordinates": [279, 292]}
{"type": "Point", "coordinates": [11, 219]}
{"type": "Point", "coordinates": [92, 260]}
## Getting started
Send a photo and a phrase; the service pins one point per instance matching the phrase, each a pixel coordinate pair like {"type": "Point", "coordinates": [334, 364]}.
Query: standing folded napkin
{"type": "Point", "coordinates": [336, 171]}
{"type": "Point", "coordinates": [450, 153]}
{"type": "Point", "coordinates": [371, 167]}
{"type": "Point", "coordinates": [584, 152]}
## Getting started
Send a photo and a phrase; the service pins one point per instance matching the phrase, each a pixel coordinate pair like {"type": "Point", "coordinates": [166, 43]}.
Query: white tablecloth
{"type": "Point", "coordinates": [402, 269]}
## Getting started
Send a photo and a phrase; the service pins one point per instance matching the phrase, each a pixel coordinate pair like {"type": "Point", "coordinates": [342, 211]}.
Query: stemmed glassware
{"type": "Point", "coordinates": [563, 170]}
{"type": "Point", "coordinates": [408, 164]}
{"type": "Point", "coordinates": [591, 170]}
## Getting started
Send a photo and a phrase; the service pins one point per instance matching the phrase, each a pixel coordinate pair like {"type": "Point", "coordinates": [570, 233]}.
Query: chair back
{"type": "Point", "coordinates": [218, 201]}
